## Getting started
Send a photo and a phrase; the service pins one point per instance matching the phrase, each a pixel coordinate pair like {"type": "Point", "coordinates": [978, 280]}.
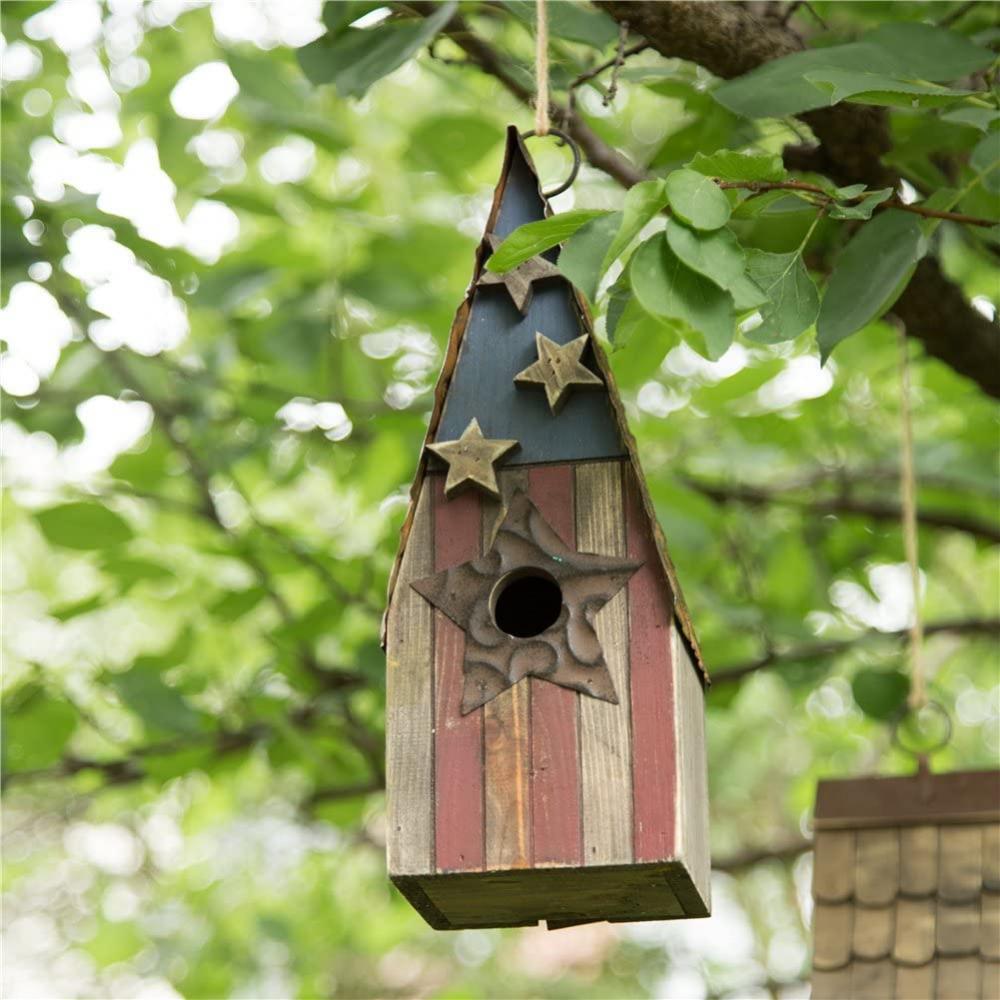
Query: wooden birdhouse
{"type": "Point", "coordinates": [545, 726]}
{"type": "Point", "coordinates": [906, 882]}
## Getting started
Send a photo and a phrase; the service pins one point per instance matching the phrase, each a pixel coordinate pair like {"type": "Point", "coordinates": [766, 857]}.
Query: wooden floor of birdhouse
{"type": "Point", "coordinates": [562, 897]}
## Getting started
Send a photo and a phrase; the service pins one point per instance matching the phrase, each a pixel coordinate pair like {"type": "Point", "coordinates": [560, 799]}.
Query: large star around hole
{"type": "Point", "coordinates": [559, 369]}
{"type": "Point", "coordinates": [519, 280]}
{"type": "Point", "coordinates": [568, 652]}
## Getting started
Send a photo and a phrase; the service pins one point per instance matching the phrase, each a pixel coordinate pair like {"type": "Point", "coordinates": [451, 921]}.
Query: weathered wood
{"type": "Point", "coordinates": [692, 838]}
{"type": "Point", "coordinates": [876, 878]}
{"type": "Point", "coordinates": [560, 896]}
{"type": "Point", "coordinates": [409, 709]}
{"type": "Point", "coordinates": [555, 767]}
{"type": "Point", "coordinates": [605, 737]}
{"type": "Point", "coordinates": [507, 735]}
{"type": "Point", "coordinates": [654, 753]}
{"type": "Point", "coordinates": [458, 739]}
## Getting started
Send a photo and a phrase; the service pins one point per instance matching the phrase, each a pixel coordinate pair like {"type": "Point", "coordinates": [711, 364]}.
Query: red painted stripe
{"type": "Point", "coordinates": [654, 754]}
{"type": "Point", "coordinates": [458, 742]}
{"type": "Point", "coordinates": [555, 766]}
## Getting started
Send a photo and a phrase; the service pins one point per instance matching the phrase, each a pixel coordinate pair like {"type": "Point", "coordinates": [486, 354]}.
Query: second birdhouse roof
{"type": "Point", "coordinates": [526, 383]}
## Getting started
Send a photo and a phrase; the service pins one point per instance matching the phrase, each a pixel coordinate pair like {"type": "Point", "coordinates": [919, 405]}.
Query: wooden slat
{"type": "Point", "coordinates": [835, 985]}
{"type": "Point", "coordinates": [872, 980]}
{"type": "Point", "coordinates": [692, 837]}
{"type": "Point", "coordinates": [958, 979]}
{"type": "Point", "coordinates": [507, 734]}
{"type": "Point", "coordinates": [833, 866]}
{"type": "Point", "coordinates": [991, 856]}
{"type": "Point", "coordinates": [989, 931]}
{"type": "Point", "coordinates": [877, 867]}
{"type": "Point", "coordinates": [960, 872]}
{"type": "Point", "coordinates": [409, 708]}
{"type": "Point", "coordinates": [918, 860]}
{"type": "Point", "coordinates": [915, 931]}
{"type": "Point", "coordinates": [874, 930]}
{"type": "Point", "coordinates": [654, 750]}
{"type": "Point", "coordinates": [605, 738]}
{"type": "Point", "coordinates": [958, 927]}
{"type": "Point", "coordinates": [458, 742]}
{"type": "Point", "coordinates": [915, 983]}
{"type": "Point", "coordinates": [557, 828]}
{"type": "Point", "coordinates": [832, 933]}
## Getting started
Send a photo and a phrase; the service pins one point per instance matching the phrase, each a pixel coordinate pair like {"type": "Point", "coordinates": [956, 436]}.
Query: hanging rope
{"type": "Point", "coordinates": [541, 68]}
{"type": "Point", "coordinates": [908, 491]}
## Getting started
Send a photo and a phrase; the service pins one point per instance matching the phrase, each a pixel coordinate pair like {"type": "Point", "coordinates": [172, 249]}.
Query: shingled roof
{"type": "Point", "coordinates": [906, 882]}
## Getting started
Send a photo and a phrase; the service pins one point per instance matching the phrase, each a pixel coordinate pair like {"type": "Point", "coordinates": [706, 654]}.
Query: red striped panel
{"type": "Point", "coordinates": [458, 741]}
{"type": "Point", "coordinates": [555, 767]}
{"type": "Point", "coordinates": [654, 755]}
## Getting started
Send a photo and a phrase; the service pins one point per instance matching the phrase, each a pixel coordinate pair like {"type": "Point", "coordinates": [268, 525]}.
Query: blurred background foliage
{"type": "Point", "coordinates": [226, 293]}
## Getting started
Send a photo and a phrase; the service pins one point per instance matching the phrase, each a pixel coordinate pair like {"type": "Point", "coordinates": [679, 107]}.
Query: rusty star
{"type": "Point", "coordinates": [471, 459]}
{"type": "Point", "coordinates": [567, 651]}
{"type": "Point", "coordinates": [558, 369]}
{"type": "Point", "coordinates": [518, 280]}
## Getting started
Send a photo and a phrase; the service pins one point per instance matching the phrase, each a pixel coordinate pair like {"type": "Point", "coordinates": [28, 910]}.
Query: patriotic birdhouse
{"type": "Point", "coordinates": [545, 693]}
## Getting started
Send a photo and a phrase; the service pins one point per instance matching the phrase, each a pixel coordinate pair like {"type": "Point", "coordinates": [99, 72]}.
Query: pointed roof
{"type": "Point", "coordinates": [603, 413]}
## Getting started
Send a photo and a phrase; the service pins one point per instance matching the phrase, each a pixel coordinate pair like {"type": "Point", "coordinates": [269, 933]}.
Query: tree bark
{"type": "Point", "coordinates": [728, 40]}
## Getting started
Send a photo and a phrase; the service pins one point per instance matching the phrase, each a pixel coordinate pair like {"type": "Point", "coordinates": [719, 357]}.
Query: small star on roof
{"type": "Point", "coordinates": [558, 369]}
{"type": "Point", "coordinates": [471, 459]}
{"type": "Point", "coordinates": [518, 280]}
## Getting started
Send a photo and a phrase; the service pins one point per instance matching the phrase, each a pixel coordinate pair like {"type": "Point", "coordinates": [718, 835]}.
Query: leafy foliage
{"type": "Point", "coordinates": [222, 324]}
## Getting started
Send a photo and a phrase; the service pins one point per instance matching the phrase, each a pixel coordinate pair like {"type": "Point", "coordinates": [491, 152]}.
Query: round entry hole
{"type": "Point", "coordinates": [526, 602]}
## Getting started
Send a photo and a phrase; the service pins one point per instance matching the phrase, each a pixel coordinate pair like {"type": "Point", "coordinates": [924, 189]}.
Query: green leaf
{"type": "Point", "coordinates": [36, 728]}
{"type": "Point", "coordinates": [876, 88]}
{"type": "Point", "coordinates": [533, 238]}
{"type": "Point", "coordinates": [862, 209]}
{"type": "Point", "coordinates": [979, 118]}
{"type": "Point", "coordinates": [237, 603]}
{"type": "Point", "coordinates": [924, 52]}
{"type": "Point", "coordinates": [880, 694]}
{"type": "Point", "coordinates": [985, 160]}
{"type": "Point", "coordinates": [869, 276]}
{"type": "Point", "coordinates": [697, 200]}
{"type": "Point", "coordinates": [582, 258]}
{"type": "Point", "coordinates": [903, 52]}
{"type": "Point", "coordinates": [574, 22]}
{"type": "Point", "coordinates": [354, 59]}
{"type": "Point", "coordinates": [746, 294]}
{"type": "Point", "coordinates": [161, 707]}
{"type": "Point", "coordinates": [732, 165]}
{"type": "Point", "coordinates": [716, 255]}
{"type": "Point", "coordinates": [83, 525]}
{"type": "Point", "coordinates": [452, 144]}
{"type": "Point", "coordinates": [793, 301]}
{"type": "Point", "coordinates": [666, 288]}
{"type": "Point", "coordinates": [643, 201]}
{"type": "Point", "coordinates": [66, 612]}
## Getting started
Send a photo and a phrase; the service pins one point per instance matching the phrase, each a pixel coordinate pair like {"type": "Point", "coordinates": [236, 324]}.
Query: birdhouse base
{"type": "Point", "coordinates": [560, 896]}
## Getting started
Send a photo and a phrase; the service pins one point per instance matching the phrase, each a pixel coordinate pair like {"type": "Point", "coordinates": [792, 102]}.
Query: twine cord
{"type": "Point", "coordinates": [908, 494]}
{"type": "Point", "coordinates": [542, 123]}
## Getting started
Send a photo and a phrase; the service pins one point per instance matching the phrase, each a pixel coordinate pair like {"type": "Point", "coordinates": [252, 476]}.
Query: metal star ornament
{"type": "Point", "coordinates": [471, 460]}
{"type": "Point", "coordinates": [559, 370]}
{"type": "Point", "coordinates": [519, 280]}
{"type": "Point", "coordinates": [567, 652]}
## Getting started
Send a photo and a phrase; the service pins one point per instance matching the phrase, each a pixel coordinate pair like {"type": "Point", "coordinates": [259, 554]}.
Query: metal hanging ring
{"type": "Point", "coordinates": [564, 140]}
{"type": "Point", "coordinates": [941, 712]}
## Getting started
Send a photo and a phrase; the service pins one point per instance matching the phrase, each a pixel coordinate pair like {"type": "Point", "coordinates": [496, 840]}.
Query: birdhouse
{"type": "Point", "coordinates": [545, 693]}
{"type": "Point", "coordinates": [906, 881]}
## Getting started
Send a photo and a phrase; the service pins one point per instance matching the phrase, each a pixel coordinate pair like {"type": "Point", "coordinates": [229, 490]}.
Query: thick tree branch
{"type": "Point", "coordinates": [877, 510]}
{"type": "Point", "coordinates": [742, 860]}
{"type": "Point", "coordinates": [729, 41]}
{"type": "Point", "coordinates": [808, 652]}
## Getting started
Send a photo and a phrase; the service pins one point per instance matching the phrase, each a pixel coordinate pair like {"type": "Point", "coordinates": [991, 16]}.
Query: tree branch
{"type": "Point", "coordinates": [807, 652]}
{"type": "Point", "coordinates": [788, 851]}
{"type": "Point", "coordinates": [877, 510]}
